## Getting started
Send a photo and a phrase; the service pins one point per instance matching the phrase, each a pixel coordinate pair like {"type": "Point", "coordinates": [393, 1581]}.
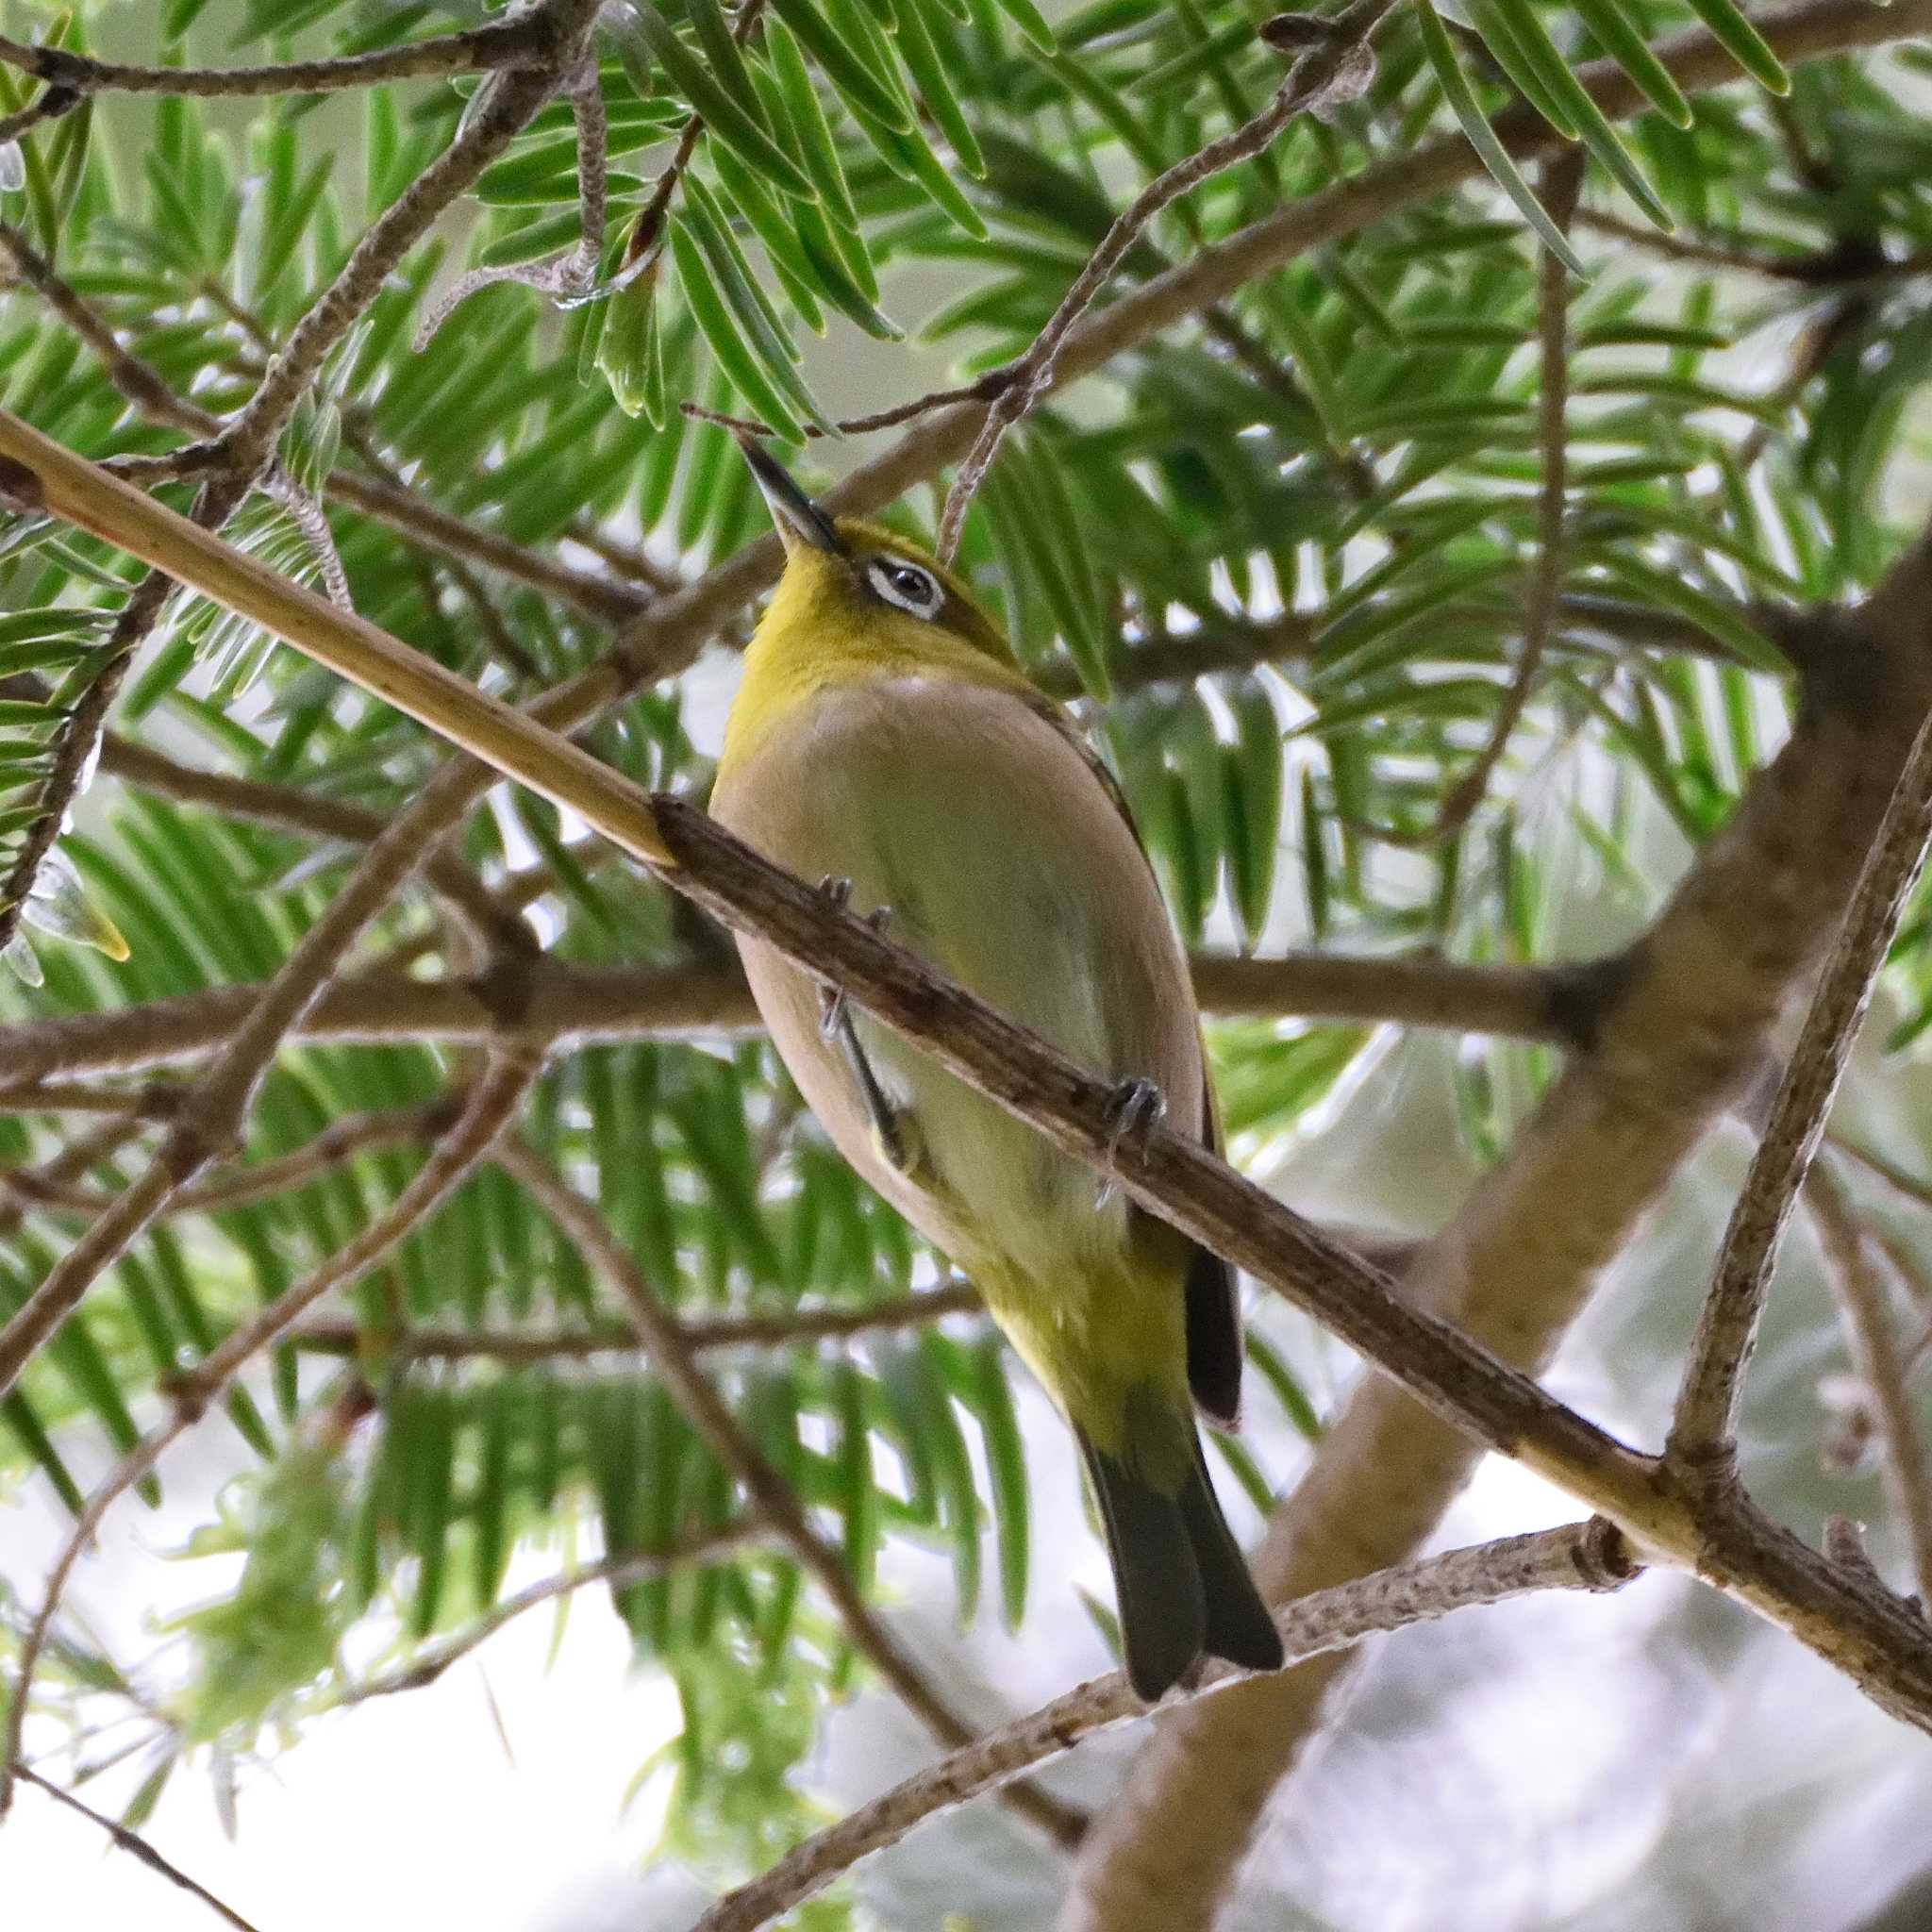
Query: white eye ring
{"type": "Point", "coordinates": [904, 585]}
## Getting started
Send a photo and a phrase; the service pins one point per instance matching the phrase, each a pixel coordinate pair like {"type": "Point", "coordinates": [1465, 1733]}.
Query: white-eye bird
{"type": "Point", "coordinates": [885, 740]}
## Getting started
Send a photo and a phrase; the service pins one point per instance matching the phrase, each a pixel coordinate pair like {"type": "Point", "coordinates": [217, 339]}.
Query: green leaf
{"type": "Point", "coordinates": [1743, 44]}
{"type": "Point", "coordinates": [863, 89]}
{"type": "Point", "coordinates": [741, 366]}
{"type": "Point", "coordinates": [1610, 26]}
{"type": "Point", "coordinates": [1482, 137]}
{"type": "Point", "coordinates": [1254, 773]}
{"type": "Point", "coordinates": [734, 122]}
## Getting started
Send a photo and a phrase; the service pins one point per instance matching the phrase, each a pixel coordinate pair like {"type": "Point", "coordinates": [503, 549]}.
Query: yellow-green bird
{"type": "Point", "coordinates": [885, 740]}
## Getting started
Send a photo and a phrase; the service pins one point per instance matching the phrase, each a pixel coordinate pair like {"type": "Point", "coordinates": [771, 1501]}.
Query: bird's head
{"type": "Point", "coordinates": [862, 589]}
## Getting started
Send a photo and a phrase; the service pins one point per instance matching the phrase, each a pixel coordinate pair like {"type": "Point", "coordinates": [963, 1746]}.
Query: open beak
{"type": "Point", "coordinates": [798, 519]}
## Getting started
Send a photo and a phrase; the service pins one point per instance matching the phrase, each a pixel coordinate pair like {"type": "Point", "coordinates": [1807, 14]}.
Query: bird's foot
{"type": "Point", "coordinates": [837, 892]}
{"type": "Point", "coordinates": [891, 1130]}
{"type": "Point", "coordinates": [1133, 1110]}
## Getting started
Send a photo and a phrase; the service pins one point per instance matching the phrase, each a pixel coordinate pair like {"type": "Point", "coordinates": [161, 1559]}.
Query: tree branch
{"type": "Point", "coordinates": [528, 37]}
{"type": "Point", "coordinates": [1336, 61]}
{"type": "Point", "coordinates": [136, 1846]}
{"type": "Point", "coordinates": [1879, 1364]}
{"type": "Point", "coordinates": [1561, 184]}
{"type": "Point", "coordinates": [1587, 1557]}
{"type": "Point", "coordinates": [619, 1572]}
{"type": "Point", "coordinates": [779, 1329]}
{"type": "Point", "coordinates": [568, 1007]}
{"type": "Point", "coordinates": [1704, 1432]}
{"type": "Point", "coordinates": [339, 1142]}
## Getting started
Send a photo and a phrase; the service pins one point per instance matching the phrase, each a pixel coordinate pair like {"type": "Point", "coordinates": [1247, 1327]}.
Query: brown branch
{"type": "Point", "coordinates": [383, 497]}
{"type": "Point", "coordinates": [156, 1102]}
{"type": "Point", "coordinates": [772, 1497]}
{"type": "Point", "coordinates": [1561, 184]}
{"type": "Point", "coordinates": [493, 1103]}
{"type": "Point", "coordinates": [1334, 61]}
{"type": "Point", "coordinates": [619, 1572]}
{"type": "Point", "coordinates": [1703, 1430]}
{"type": "Point", "coordinates": [137, 1847]}
{"type": "Point", "coordinates": [1846, 264]}
{"type": "Point", "coordinates": [98, 1144]}
{"type": "Point", "coordinates": [781, 1329]}
{"type": "Point", "coordinates": [1879, 1364]}
{"type": "Point", "coordinates": [1900, 1179]}
{"type": "Point", "coordinates": [530, 37]}
{"type": "Point", "coordinates": [55, 102]}
{"type": "Point", "coordinates": [572, 273]}
{"type": "Point", "coordinates": [568, 1007]}
{"type": "Point", "coordinates": [338, 1143]}
{"type": "Point", "coordinates": [512, 97]}
{"type": "Point", "coordinates": [1586, 1557]}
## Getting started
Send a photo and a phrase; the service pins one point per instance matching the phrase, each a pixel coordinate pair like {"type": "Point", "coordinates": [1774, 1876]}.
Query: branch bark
{"type": "Point", "coordinates": [1676, 1044]}
{"type": "Point", "coordinates": [568, 1006]}
{"type": "Point", "coordinates": [1704, 1428]}
{"type": "Point", "coordinates": [1588, 1556]}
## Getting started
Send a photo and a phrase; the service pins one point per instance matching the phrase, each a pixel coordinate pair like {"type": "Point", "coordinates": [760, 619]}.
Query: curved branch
{"type": "Point", "coordinates": [1585, 1555]}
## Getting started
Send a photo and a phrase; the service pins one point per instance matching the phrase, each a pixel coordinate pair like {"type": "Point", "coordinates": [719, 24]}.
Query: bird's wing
{"type": "Point", "coordinates": [1213, 1308]}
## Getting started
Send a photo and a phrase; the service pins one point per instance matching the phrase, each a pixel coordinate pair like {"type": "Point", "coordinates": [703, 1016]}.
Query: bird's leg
{"type": "Point", "coordinates": [889, 1125]}
{"type": "Point", "coordinates": [1133, 1110]}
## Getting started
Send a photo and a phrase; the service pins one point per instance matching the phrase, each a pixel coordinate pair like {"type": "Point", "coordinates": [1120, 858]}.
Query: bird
{"type": "Point", "coordinates": [885, 744]}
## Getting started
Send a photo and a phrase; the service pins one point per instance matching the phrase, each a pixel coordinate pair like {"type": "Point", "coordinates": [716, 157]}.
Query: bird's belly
{"type": "Point", "coordinates": [1045, 911]}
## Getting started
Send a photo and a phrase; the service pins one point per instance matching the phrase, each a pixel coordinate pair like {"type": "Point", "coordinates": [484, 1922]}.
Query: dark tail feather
{"type": "Point", "coordinates": [1156, 1584]}
{"type": "Point", "coordinates": [1180, 1581]}
{"type": "Point", "coordinates": [1239, 1626]}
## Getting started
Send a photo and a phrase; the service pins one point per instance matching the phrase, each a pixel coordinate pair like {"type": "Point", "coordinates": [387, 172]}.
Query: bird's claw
{"type": "Point", "coordinates": [1133, 1110]}
{"type": "Point", "coordinates": [837, 892]}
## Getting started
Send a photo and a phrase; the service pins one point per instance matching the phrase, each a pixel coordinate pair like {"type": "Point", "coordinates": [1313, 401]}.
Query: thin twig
{"type": "Point", "coordinates": [772, 1497]}
{"type": "Point", "coordinates": [529, 36]}
{"type": "Point", "coordinates": [1844, 265]}
{"type": "Point", "coordinates": [493, 1103]}
{"type": "Point", "coordinates": [570, 275]}
{"type": "Point", "coordinates": [100, 1144]}
{"type": "Point", "coordinates": [1879, 1364]}
{"type": "Point", "coordinates": [1562, 181]}
{"type": "Point", "coordinates": [1703, 1430]}
{"type": "Point", "coordinates": [136, 1846]}
{"type": "Point", "coordinates": [513, 97]}
{"type": "Point", "coordinates": [338, 1143]}
{"type": "Point", "coordinates": [1308, 84]}
{"type": "Point", "coordinates": [51, 105]}
{"type": "Point", "coordinates": [619, 1572]}
{"type": "Point", "coordinates": [1900, 1179]}
{"type": "Point", "coordinates": [577, 1344]}
{"type": "Point", "coordinates": [1586, 1557]}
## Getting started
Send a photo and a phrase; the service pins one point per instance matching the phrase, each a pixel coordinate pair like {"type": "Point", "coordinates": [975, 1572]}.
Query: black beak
{"type": "Point", "coordinates": [798, 519]}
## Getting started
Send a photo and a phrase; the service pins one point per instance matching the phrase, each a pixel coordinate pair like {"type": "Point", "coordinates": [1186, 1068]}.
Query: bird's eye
{"type": "Point", "coordinates": [904, 585]}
